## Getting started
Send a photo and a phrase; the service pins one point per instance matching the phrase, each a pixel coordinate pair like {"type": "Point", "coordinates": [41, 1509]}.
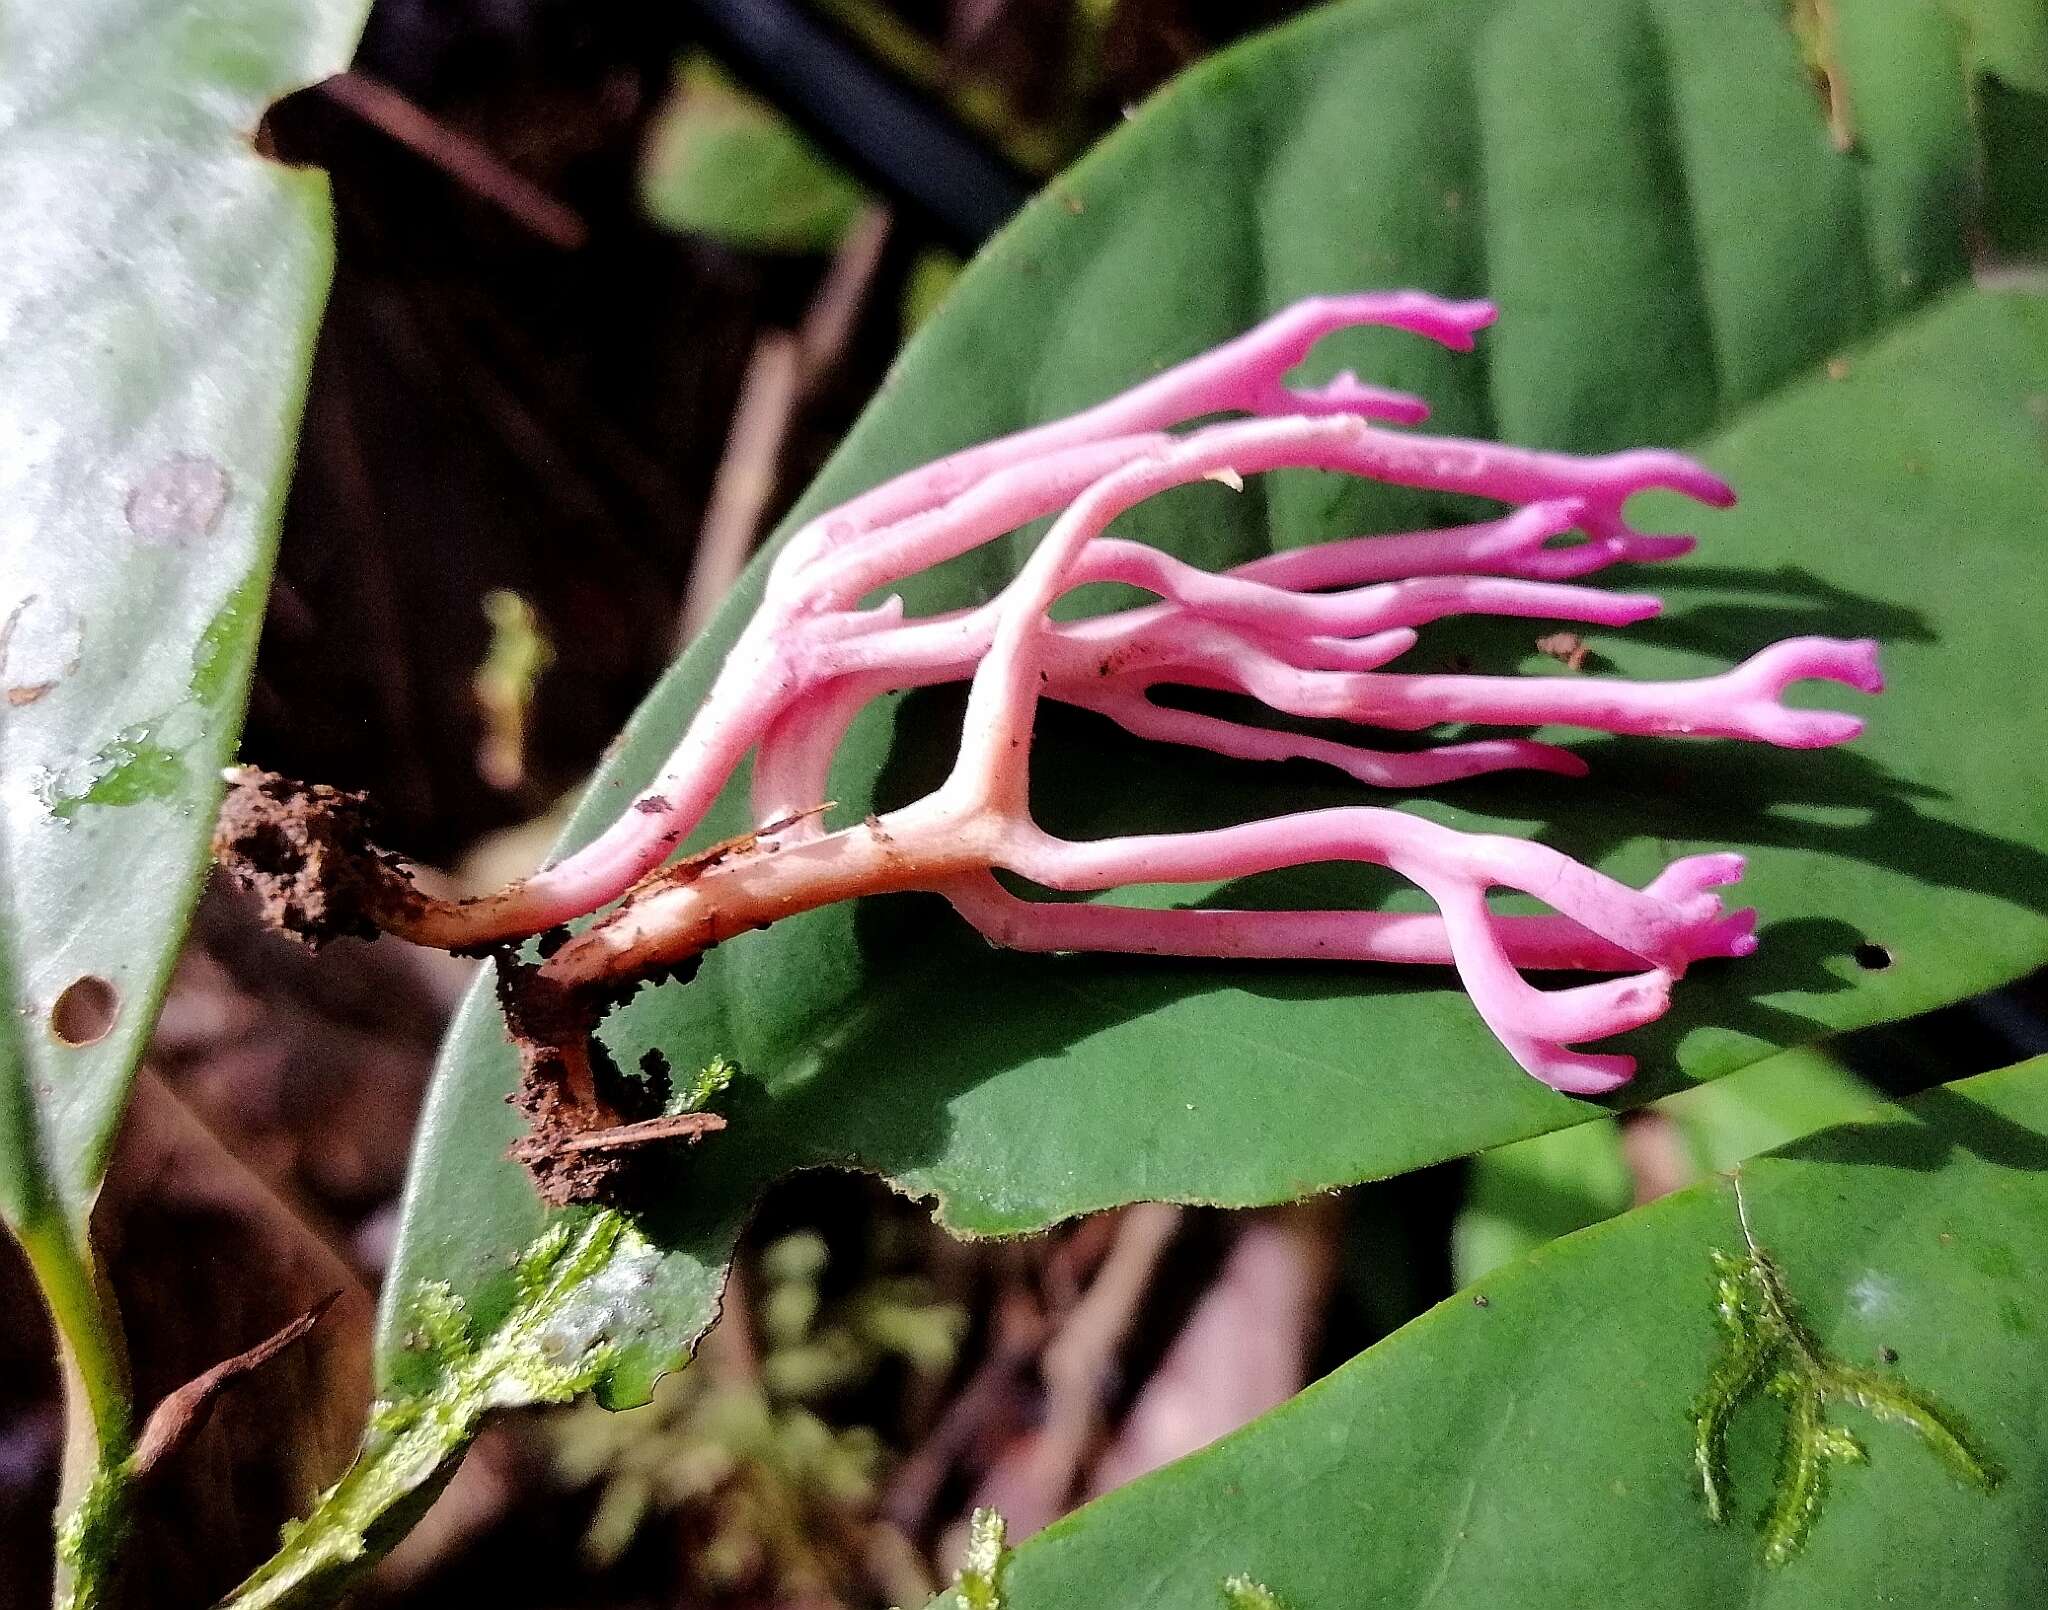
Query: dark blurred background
{"type": "Point", "coordinates": [613, 279]}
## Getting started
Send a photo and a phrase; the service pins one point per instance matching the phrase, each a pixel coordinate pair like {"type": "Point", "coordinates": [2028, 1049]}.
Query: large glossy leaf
{"type": "Point", "coordinates": [1679, 251]}
{"type": "Point", "coordinates": [158, 297]}
{"type": "Point", "coordinates": [1535, 1451]}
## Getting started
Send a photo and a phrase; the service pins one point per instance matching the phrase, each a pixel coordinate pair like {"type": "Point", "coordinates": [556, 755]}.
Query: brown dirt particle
{"type": "Point", "coordinates": [304, 850]}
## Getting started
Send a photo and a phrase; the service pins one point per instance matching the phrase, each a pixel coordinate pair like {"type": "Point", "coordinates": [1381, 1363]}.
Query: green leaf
{"type": "Point", "coordinates": [159, 297]}
{"type": "Point", "coordinates": [1536, 1190]}
{"type": "Point", "coordinates": [723, 164]}
{"type": "Point", "coordinates": [1597, 167]}
{"type": "Point", "coordinates": [158, 301]}
{"type": "Point", "coordinates": [1521, 1195]}
{"type": "Point", "coordinates": [1536, 1452]}
{"type": "Point", "coordinates": [1771, 1103]}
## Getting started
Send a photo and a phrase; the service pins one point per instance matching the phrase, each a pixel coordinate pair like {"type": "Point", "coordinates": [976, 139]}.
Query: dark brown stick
{"type": "Point", "coordinates": [471, 164]}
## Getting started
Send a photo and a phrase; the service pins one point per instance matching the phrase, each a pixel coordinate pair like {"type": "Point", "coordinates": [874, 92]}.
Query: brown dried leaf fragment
{"type": "Point", "coordinates": [174, 1420]}
{"type": "Point", "coordinates": [179, 1226]}
{"type": "Point", "coordinates": [589, 1125]}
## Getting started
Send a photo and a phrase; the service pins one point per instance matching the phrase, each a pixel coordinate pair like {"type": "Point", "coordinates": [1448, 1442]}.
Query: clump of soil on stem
{"type": "Point", "coordinates": [304, 850]}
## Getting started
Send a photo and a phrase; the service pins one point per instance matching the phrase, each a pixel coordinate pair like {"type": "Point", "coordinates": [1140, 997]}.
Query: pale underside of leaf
{"type": "Point", "coordinates": [158, 304]}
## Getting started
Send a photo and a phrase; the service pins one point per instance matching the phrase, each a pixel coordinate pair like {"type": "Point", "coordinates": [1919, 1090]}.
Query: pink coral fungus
{"type": "Point", "coordinates": [1307, 633]}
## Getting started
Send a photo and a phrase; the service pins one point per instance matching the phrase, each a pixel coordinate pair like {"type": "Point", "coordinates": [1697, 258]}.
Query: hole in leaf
{"type": "Point", "coordinates": [1872, 958]}
{"type": "Point", "coordinates": [84, 1013]}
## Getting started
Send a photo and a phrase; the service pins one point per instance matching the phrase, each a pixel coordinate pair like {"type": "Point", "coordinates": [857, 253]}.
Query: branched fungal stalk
{"type": "Point", "coordinates": [1307, 633]}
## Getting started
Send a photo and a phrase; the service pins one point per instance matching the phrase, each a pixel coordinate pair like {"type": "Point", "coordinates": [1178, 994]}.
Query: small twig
{"type": "Point", "coordinates": [785, 371]}
{"type": "Point", "coordinates": [1018, 1328]}
{"type": "Point", "coordinates": [180, 1416]}
{"type": "Point", "coordinates": [701, 861]}
{"type": "Point", "coordinates": [1245, 1347]}
{"type": "Point", "coordinates": [471, 164]}
{"type": "Point", "coordinates": [789, 819]}
{"type": "Point", "coordinates": [834, 312]}
{"type": "Point", "coordinates": [746, 476]}
{"type": "Point", "coordinates": [677, 1126]}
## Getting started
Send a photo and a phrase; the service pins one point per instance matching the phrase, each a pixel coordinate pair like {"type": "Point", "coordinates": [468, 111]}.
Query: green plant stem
{"type": "Point", "coordinates": [98, 1411]}
{"type": "Point", "coordinates": [534, 1353]}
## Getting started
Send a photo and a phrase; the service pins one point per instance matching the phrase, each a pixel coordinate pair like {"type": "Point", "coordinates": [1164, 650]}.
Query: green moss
{"type": "Point", "coordinates": [414, 1439]}
{"type": "Point", "coordinates": [1242, 1593]}
{"type": "Point", "coordinates": [1766, 1347]}
{"type": "Point", "coordinates": [979, 1583]}
{"type": "Point", "coordinates": [710, 1082]}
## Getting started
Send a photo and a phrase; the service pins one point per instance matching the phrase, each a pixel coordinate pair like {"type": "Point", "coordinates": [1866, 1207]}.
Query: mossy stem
{"type": "Point", "coordinates": [98, 1409]}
